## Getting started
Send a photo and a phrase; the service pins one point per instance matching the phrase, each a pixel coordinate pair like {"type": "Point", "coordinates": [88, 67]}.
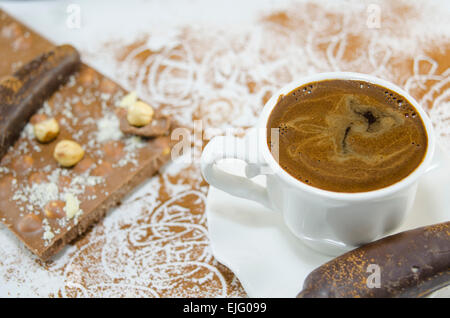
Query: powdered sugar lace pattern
{"type": "Point", "coordinates": [156, 243]}
{"type": "Point", "coordinates": [160, 254]}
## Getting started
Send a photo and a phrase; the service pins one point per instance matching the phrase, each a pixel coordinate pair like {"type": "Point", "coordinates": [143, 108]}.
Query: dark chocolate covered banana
{"type": "Point", "coordinates": [23, 93]}
{"type": "Point", "coordinates": [408, 264]}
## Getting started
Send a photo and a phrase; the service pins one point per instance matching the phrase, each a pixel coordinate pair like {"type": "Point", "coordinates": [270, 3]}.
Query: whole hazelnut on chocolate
{"type": "Point", "coordinates": [128, 100]}
{"type": "Point", "coordinates": [68, 153]}
{"type": "Point", "coordinates": [55, 209]}
{"type": "Point", "coordinates": [139, 114]}
{"type": "Point", "coordinates": [30, 223]}
{"type": "Point", "coordinates": [46, 130]}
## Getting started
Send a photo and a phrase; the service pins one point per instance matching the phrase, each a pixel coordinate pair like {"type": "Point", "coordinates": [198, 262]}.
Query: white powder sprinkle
{"type": "Point", "coordinates": [108, 128]}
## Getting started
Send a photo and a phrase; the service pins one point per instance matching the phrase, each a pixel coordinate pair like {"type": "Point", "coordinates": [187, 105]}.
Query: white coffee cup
{"type": "Point", "coordinates": [330, 222]}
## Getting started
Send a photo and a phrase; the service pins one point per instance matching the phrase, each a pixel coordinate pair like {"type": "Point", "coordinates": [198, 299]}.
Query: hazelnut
{"type": "Point", "coordinates": [55, 209]}
{"type": "Point", "coordinates": [30, 223]}
{"type": "Point", "coordinates": [68, 153]}
{"type": "Point", "coordinates": [140, 114]}
{"type": "Point", "coordinates": [46, 130]}
{"type": "Point", "coordinates": [128, 100]}
{"type": "Point", "coordinates": [72, 206]}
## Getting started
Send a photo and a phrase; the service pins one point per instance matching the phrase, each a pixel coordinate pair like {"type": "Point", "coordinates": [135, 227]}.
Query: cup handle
{"type": "Point", "coordinates": [226, 147]}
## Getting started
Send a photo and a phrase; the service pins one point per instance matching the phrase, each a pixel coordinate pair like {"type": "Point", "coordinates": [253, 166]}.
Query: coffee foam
{"type": "Point", "coordinates": [348, 136]}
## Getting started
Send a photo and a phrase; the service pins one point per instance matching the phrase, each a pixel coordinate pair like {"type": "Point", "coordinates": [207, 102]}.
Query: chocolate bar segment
{"type": "Point", "coordinates": [44, 204]}
{"type": "Point", "coordinates": [159, 126]}
{"type": "Point", "coordinates": [410, 264]}
{"type": "Point", "coordinates": [24, 92]}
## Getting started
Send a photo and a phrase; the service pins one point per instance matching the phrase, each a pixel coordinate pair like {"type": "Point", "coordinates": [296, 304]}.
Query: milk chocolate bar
{"type": "Point", "coordinates": [43, 203]}
{"type": "Point", "coordinates": [24, 92]}
{"type": "Point", "coordinates": [409, 264]}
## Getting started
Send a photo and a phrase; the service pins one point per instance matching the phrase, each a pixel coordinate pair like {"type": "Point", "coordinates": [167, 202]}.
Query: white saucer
{"type": "Point", "coordinates": [268, 260]}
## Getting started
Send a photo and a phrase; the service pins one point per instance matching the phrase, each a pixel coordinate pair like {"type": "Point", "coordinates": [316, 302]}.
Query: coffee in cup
{"type": "Point", "coordinates": [347, 135]}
